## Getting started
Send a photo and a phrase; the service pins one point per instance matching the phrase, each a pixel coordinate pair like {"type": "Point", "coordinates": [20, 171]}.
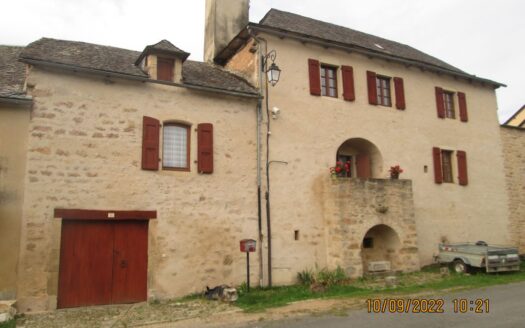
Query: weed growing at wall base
{"type": "Point", "coordinates": [430, 280]}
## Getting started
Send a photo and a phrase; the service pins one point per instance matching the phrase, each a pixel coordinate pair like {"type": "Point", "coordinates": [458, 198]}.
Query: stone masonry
{"type": "Point", "coordinates": [354, 206]}
{"type": "Point", "coordinates": [513, 150]}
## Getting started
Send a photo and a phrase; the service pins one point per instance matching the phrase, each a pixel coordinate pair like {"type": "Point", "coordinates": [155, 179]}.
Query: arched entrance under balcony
{"type": "Point", "coordinates": [363, 157]}
{"type": "Point", "coordinates": [381, 243]}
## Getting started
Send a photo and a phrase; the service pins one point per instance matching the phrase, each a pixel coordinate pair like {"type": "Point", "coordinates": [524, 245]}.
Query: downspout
{"type": "Point", "coordinates": [267, 194]}
{"type": "Point", "coordinates": [259, 179]}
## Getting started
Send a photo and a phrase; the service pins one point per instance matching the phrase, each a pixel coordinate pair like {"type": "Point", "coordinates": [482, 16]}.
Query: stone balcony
{"type": "Point", "coordinates": [381, 210]}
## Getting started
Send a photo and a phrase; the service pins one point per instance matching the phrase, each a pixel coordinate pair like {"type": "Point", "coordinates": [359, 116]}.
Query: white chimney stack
{"type": "Point", "coordinates": [224, 20]}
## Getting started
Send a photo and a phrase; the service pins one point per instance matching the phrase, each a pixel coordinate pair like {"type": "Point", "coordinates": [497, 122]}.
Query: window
{"type": "Point", "coordinates": [383, 91]}
{"type": "Point", "coordinates": [446, 164]}
{"type": "Point", "coordinates": [165, 69]}
{"type": "Point", "coordinates": [328, 81]}
{"type": "Point", "coordinates": [176, 147]}
{"type": "Point", "coordinates": [448, 100]}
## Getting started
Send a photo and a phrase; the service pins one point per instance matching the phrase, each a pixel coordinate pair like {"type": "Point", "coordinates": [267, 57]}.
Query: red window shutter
{"type": "Point", "coordinates": [462, 100]}
{"type": "Point", "coordinates": [440, 102]}
{"type": "Point", "coordinates": [348, 83]}
{"type": "Point", "coordinates": [400, 93]}
{"type": "Point", "coordinates": [314, 71]}
{"type": "Point", "coordinates": [462, 168]}
{"type": "Point", "coordinates": [165, 69]}
{"type": "Point", "coordinates": [205, 148]}
{"type": "Point", "coordinates": [150, 143]}
{"type": "Point", "coordinates": [362, 164]}
{"type": "Point", "coordinates": [372, 88]}
{"type": "Point", "coordinates": [438, 171]}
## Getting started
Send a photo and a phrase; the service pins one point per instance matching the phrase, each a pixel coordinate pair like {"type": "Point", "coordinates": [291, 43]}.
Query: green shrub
{"type": "Point", "coordinates": [8, 324]}
{"type": "Point", "coordinates": [323, 277]}
{"type": "Point", "coordinates": [306, 277]}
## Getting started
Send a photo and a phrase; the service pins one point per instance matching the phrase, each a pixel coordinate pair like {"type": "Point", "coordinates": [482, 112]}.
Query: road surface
{"type": "Point", "coordinates": [506, 308]}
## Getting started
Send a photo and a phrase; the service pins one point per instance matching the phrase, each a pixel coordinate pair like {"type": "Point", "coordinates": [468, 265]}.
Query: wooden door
{"type": "Point", "coordinates": [86, 263]}
{"type": "Point", "coordinates": [363, 168]}
{"type": "Point", "coordinates": [130, 262]}
{"type": "Point", "coordinates": [102, 262]}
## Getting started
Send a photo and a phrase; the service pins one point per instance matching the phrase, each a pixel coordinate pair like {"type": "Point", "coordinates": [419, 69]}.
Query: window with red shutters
{"type": "Point", "coordinates": [462, 168]}
{"type": "Point", "coordinates": [329, 81]}
{"type": "Point", "coordinates": [462, 101]}
{"type": "Point", "coordinates": [150, 143]}
{"type": "Point", "coordinates": [205, 148]}
{"type": "Point", "coordinates": [348, 83]}
{"type": "Point", "coordinates": [400, 93]}
{"type": "Point", "coordinates": [372, 91]}
{"type": "Point", "coordinates": [446, 165]}
{"type": "Point", "coordinates": [314, 74]}
{"type": "Point", "coordinates": [448, 103]}
{"type": "Point", "coordinates": [176, 147]}
{"type": "Point", "coordinates": [384, 97]}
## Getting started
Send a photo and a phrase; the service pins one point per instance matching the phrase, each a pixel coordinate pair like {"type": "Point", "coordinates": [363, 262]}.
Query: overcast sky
{"type": "Point", "coordinates": [481, 37]}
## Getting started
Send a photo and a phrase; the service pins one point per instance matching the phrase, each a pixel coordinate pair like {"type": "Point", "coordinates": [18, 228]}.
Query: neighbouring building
{"type": "Point", "coordinates": [138, 173]}
{"type": "Point", "coordinates": [15, 108]}
{"type": "Point", "coordinates": [517, 120]}
{"type": "Point", "coordinates": [513, 138]}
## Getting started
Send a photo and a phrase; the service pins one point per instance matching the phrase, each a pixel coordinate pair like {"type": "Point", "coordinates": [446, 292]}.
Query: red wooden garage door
{"type": "Point", "coordinates": [102, 262]}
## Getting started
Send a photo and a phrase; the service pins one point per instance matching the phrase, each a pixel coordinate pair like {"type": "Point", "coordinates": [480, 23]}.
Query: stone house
{"type": "Point", "coordinates": [513, 138]}
{"type": "Point", "coordinates": [139, 172]}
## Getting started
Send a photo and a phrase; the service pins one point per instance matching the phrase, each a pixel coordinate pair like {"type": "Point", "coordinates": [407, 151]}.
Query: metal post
{"type": "Point", "coordinates": [247, 272]}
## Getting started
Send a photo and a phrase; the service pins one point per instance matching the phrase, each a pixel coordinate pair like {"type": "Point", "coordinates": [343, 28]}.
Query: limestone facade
{"type": "Point", "coordinates": [84, 151]}
{"type": "Point", "coordinates": [310, 130]}
{"type": "Point", "coordinates": [14, 123]}
{"type": "Point", "coordinates": [513, 146]}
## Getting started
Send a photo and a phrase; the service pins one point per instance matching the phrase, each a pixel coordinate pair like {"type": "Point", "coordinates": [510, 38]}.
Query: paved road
{"type": "Point", "coordinates": [506, 309]}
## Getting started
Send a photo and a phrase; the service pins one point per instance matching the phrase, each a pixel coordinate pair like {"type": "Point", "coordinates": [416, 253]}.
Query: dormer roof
{"type": "Point", "coordinates": [163, 47]}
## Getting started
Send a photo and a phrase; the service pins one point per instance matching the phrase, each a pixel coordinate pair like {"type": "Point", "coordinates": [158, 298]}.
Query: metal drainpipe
{"type": "Point", "coordinates": [259, 122]}
{"type": "Point", "coordinates": [267, 194]}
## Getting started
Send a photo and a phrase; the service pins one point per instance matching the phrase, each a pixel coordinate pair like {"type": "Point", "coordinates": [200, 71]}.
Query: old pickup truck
{"type": "Point", "coordinates": [492, 258]}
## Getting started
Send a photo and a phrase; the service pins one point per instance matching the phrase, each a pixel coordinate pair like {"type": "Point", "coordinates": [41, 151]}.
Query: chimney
{"type": "Point", "coordinates": [224, 20]}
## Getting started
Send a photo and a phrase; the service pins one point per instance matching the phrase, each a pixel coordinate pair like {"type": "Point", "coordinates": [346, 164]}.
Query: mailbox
{"type": "Point", "coordinates": [248, 245]}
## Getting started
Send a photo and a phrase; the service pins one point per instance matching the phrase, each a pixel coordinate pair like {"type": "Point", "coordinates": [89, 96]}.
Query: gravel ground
{"type": "Point", "coordinates": [136, 315]}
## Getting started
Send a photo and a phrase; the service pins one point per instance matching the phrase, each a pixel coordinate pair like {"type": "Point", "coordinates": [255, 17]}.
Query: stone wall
{"type": "Point", "coordinates": [14, 122]}
{"type": "Point", "coordinates": [84, 152]}
{"type": "Point", "coordinates": [354, 206]}
{"type": "Point", "coordinates": [514, 154]}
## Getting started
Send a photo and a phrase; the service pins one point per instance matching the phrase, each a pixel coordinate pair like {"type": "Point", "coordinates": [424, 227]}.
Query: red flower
{"type": "Point", "coordinates": [337, 169]}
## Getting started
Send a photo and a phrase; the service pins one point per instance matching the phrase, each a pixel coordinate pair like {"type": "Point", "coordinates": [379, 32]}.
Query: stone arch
{"type": "Point", "coordinates": [381, 243]}
{"type": "Point", "coordinates": [365, 158]}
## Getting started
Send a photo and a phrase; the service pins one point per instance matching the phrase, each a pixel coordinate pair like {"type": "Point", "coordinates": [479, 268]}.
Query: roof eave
{"type": "Point", "coordinates": [23, 101]}
{"type": "Point", "coordinates": [244, 35]}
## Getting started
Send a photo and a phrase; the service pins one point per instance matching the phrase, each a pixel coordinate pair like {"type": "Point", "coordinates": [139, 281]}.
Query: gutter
{"type": "Point", "coordinates": [36, 62]}
{"type": "Point", "coordinates": [17, 100]}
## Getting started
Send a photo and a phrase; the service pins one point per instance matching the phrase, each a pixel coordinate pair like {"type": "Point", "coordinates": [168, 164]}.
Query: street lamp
{"type": "Point", "coordinates": [273, 72]}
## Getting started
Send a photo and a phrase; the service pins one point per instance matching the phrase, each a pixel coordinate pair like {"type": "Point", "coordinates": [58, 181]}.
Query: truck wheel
{"type": "Point", "coordinates": [459, 266]}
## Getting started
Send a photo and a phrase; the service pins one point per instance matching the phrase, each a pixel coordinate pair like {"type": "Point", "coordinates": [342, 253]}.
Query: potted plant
{"type": "Point", "coordinates": [341, 169]}
{"type": "Point", "coordinates": [395, 171]}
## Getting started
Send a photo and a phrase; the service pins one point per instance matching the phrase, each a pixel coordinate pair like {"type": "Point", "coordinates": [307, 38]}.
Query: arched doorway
{"type": "Point", "coordinates": [362, 157]}
{"type": "Point", "coordinates": [381, 243]}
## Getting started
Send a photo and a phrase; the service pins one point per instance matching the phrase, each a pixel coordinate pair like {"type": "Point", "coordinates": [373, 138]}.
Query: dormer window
{"type": "Point", "coordinates": [165, 69]}
{"type": "Point", "coordinates": [162, 61]}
